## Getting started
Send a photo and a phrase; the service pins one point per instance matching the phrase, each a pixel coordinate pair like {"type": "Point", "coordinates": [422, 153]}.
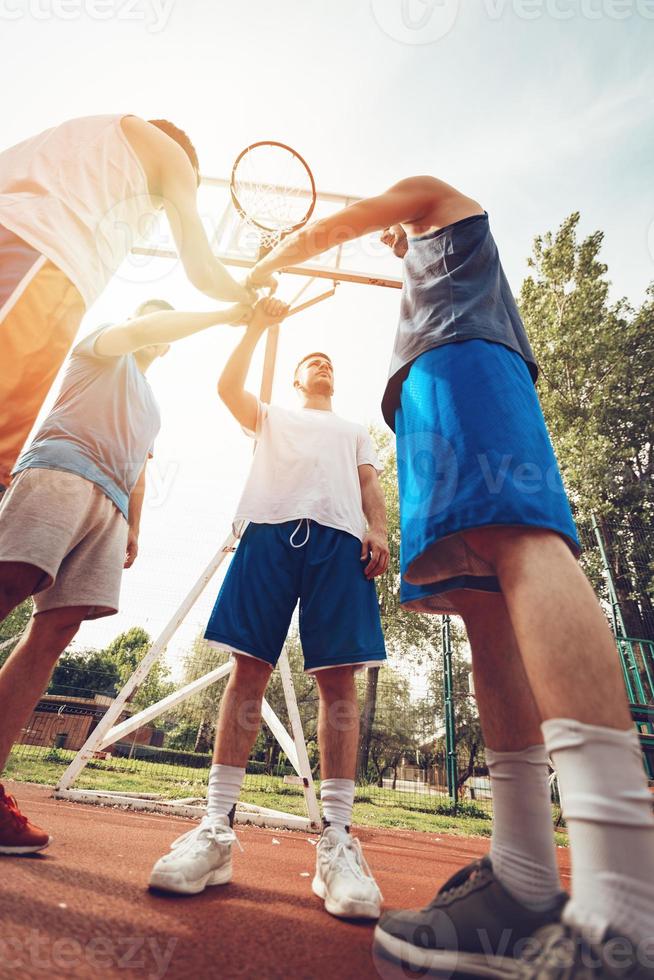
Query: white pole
{"type": "Point", "coordinates": [130, 725]}
{"type": "Point", "coordinates": [95, 739]}
{"type": "Point", "coordinates": [304, 768]}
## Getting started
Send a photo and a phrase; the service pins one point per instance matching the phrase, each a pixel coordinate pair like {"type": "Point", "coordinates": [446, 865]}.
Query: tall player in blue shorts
{"type": "Point", "coordinates": [312, 487]}
{"type": "Point", "coordinates": [487, 533]}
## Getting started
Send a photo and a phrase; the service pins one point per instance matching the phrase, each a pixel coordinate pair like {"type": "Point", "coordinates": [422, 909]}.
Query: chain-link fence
{"type": "Point", "coordinates": [402, 756]}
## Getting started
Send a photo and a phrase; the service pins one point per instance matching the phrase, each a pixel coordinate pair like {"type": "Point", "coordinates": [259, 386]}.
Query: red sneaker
{"type": "Point", "coordinates": [17, 834]}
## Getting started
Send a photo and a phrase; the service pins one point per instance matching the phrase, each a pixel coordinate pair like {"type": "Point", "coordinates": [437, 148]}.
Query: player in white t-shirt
{"type": "Point", "coordinates": [317, 535]}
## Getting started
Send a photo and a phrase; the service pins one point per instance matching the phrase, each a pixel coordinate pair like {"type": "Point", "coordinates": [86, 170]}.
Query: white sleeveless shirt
{"type": "Point", "coordinates": [78, 194]}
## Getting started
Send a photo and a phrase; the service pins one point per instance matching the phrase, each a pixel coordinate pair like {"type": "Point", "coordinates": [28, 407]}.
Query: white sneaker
{"type": "Point", "coordinates": [343, 878]}
{"type": "Point", "coordinates": [199, 858]}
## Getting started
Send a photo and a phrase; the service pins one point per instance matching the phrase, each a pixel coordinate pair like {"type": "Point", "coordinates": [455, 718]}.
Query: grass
{"type": "Point", "coordinates": [392, 809]}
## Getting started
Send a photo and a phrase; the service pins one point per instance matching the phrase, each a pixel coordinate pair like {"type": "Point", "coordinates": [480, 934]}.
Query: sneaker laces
{"type": "Point", "coordinates": [205, 834]}
{"type": "Point", "coordinates": [348, 856]}
{"type": "Point", "coordinates": [10, 812]}
{"type": "Point", "coordinates": [460, 884]}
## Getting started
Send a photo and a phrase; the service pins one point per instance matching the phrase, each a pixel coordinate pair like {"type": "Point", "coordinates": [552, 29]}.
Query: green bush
{"type": "Point", "coordinates": [151, 753]}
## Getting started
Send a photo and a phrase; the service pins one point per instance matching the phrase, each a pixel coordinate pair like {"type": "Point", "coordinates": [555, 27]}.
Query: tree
{"type": "Point", "coordinates": [402, 724]}
{"type": "Point", "coordinates": [597, 391]}
{"type": "Point", "coordinates": [197, 716]}
{"type": "Point", "coordinates": [126, 651]}
{"type": "Point", "coordinates": [12, 627]}
{"type": "Point", "coordinates": [85, 674]}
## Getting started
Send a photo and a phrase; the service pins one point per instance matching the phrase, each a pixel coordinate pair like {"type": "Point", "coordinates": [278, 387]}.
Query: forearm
{"type": "Point", "coordinates": [235, 372]}
{"type": "Point", "coordinates": [407, 200]}
{"type": "Point", "coordinates": [215, 281]}
{"type": "Point", "coordinates": [299, 247]}
{"type": "Point", "coordinates": [169, 325]}
{"type": "Point", "coordinates": [374, 506]}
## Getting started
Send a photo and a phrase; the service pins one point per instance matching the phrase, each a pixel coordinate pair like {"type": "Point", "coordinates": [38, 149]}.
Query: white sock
{"type": "Point", "coordinates": [337, 797]}
{"type": "Point", "coordinates": [225, 784]}
{"type": "Point", "coordinates": [608, 810]}
{"type": "Point", "coordinates": [522, 846]}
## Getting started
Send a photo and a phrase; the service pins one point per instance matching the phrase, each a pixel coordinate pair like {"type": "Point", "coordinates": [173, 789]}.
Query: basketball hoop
{"type": "Point", "coordinates": [273, 191]}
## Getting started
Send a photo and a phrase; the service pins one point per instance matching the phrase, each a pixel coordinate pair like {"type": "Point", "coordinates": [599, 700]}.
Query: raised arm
{"type": "Point", "coordinates": [172, 178]}
{"type": "Point", "coordinates": [410, 201]}
{"type": "Point", "coordinates": [231, 385]}
{"type": "Point", "coordinates": [374, 548]}
{"type": "Point", "coordinates": [163, 327]}
{"type": "Point", "coordinates": [205, 271]}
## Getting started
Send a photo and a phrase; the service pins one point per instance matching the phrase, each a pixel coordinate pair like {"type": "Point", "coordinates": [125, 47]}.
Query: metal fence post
{"type": "Point", "coordinates": [448, 705]}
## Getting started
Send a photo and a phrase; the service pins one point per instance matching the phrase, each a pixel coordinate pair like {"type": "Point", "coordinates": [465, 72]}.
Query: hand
{"type": "Point", "coordinates": [132, 548]}
{"type": "Point", "coordinates": [374, 550]}
{"type": "Point", "coordinates": [266, 313]}
{"type": "Point", "coordinates": [241, 314]}
{"type": "Point", "coordinates": [257, 280]}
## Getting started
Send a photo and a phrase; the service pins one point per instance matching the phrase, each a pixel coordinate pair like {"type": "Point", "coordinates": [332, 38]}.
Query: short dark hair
{"type": "Point", "coordinates": [315, 353]}
{"type": "Point", "coordinates": [161, 304]}
{"type": "Point", "coordinates": [180, 137]}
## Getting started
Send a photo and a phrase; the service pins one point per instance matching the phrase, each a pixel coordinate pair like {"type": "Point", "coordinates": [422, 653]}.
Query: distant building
{"type": "Point", "coordinates": [66, 723]}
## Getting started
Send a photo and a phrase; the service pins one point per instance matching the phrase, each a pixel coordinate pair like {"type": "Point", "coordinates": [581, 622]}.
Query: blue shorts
{"type": "Point", "coordinates": [472, 451]}
{"type": "Point", "coordinates": [339, 613]}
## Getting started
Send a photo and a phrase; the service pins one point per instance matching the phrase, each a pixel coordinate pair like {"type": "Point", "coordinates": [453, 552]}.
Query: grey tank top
{"type": "Point", "coordinates": [454, 289]}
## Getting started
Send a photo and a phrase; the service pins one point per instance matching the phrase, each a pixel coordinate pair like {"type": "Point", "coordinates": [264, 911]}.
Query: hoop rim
{"type": "Point", "coordinates": [241, 210]}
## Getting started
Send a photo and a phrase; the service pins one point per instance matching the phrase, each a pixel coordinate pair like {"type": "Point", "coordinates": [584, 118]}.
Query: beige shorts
{"type": "Point", "coordinates": [67, 527]}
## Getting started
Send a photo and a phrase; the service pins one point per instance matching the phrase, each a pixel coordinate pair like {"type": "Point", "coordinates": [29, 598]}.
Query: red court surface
{"type": "Point", "coordinates": [81, 908]}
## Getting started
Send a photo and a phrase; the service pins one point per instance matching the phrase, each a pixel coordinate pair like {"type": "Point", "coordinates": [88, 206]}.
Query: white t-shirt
{"type": "Point", "coordinates": [78, 194]}
{"type": "Point", "coordinates": [305, 465]}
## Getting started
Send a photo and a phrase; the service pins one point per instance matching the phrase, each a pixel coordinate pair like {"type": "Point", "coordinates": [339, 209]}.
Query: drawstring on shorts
{"type": "Point", "coordinates": [308, 534]}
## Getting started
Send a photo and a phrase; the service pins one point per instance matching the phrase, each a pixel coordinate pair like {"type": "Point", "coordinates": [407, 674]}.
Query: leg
{"type": "Point", "coordinates": [206, 858]}
{"type": "Point", "coordinates": [505, 900]}
{"type": "Point", "coordinates": [18, 580]}
{"type": "Point", "coordinates": [343, 879]}
{"type": "Point", "coordinates": [26, 673]}
{"type": "Point", "coordinates": [522, 846]}
{"type": "Point", "coordinates": [338, 738]}
{"type": "Point", "coordinates": [509, 717]}
{"type": "Point", "coordinates": [338, 722]}
{"type": "Point", "coordinates": [561, 630]}
{"type": "Point", "coordinates": [571, 661]}
{"type": "Point", "coordinates": [238, 723]}
{"type": "Point", "coordinates": [239, 717]}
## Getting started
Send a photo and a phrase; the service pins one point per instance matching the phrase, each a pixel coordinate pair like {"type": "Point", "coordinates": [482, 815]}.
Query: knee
{"type": "Point", "coordinates": [336, 684]}
{"type": "Point", "coordinates": [250, 676]}
{"type": "Point", "coordinates": [53, 630]}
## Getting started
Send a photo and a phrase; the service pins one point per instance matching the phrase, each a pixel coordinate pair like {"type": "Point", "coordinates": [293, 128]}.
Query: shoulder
{"type": "Point", "coordinates": [162, 158]}
{"type": "Point", "coordinates": [86, 346]}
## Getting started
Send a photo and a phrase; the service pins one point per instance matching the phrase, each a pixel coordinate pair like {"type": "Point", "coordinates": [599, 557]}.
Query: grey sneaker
{"type": "Point", "coordinates": [560, 952]}
{"type": "Point", "coordinates": [473, 927]}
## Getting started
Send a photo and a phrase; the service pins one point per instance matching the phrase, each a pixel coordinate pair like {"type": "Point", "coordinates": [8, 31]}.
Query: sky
{"type": "Point", "coordinates": [536, 108]}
